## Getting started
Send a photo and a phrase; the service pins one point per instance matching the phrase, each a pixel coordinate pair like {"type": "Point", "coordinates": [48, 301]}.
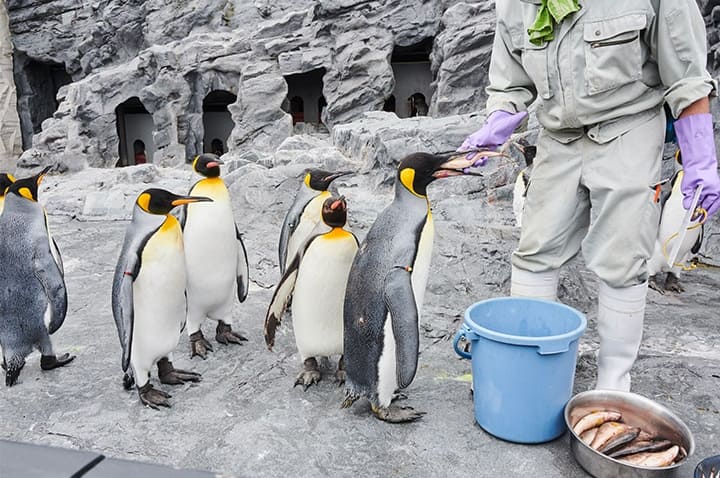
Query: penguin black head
{"type": "Point", "coordinates": [28, 187]}
{"type": "Point", "coordinates": [160, 201]}
{"type": "Point", "coordinates": [208, 165]}
{"type": "Point", "coordinates": [418, 170]}
{"type": "Point", "coordinates": [334, 211]}
{"type": "Point", "coordinates": [6, 180]}
{"type": "Point", "coordinates": [320, 180]}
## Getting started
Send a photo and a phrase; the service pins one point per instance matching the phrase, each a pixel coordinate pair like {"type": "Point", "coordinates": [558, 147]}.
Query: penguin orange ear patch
{"type": "Point", "coordinates": [26, 193]}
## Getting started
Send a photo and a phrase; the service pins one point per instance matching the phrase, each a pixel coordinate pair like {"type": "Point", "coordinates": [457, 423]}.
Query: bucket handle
{"type": "Point", "coordinates": [553, 348]}
{"type": "Point", "coordinates": [463, 332]}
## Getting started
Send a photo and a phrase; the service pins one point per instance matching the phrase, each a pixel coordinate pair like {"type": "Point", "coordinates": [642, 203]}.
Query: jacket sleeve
{"type": "Point", "coordinates": [678, 41]}
{"type": "Point", "coordinates": [509, 86]}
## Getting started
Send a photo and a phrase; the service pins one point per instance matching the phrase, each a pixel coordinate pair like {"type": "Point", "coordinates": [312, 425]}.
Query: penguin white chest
{"type": "Point", "coordinates": [159, 294]}
{"type": "Point", "coordinates": [211, 245]}
{"type": "Point", "coordinates": [421, 267]}
{"type": "Point", "coordinates": [309, 219]}
{"type": "Point", "coordinates": [317, 310]}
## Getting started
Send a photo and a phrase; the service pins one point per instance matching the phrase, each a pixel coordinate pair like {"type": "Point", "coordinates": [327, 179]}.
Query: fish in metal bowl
{"type": "Point", "coordinates": [618, 434]}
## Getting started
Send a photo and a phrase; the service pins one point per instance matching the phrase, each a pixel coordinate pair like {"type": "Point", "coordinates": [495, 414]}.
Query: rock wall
{"type": "Point", "coordinates": [170, 54]}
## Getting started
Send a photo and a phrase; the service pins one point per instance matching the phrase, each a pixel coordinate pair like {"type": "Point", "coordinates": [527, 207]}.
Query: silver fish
{"type": "Point", "coordinates": [619, 440]}
{"type": "Point", "coordinates": [660, 458]}
{"type": "Point", "coordinates": [595, 419]}
{"type": "Point", "coordinates": [640, 446]}
{"type": "Point", "coordinates": [588, 436]}
{"type": "Point", "coordinates": [608, 431]}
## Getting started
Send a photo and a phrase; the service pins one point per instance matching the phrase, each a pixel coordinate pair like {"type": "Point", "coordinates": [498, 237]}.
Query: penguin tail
{"type": "Point", "coordinates": [13, 366]}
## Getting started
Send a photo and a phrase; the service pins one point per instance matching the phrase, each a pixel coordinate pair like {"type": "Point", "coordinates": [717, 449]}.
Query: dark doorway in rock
{"type": "Point", "coordinates": [37, 85]}
{"type": "Point", "coordinates": [134, 128]}
{"type": "Point", "coordinates": [411, 68]}
{"type": "Point", "coordinates": [217, 121]}
{"type": "Point", "coordinates": [389, 104]}
{"type": "Point", "coordinates": [305, 91]}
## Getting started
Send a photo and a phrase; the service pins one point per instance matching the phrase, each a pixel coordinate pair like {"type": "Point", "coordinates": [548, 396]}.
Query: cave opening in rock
{"type": "Point", "coordinates": [411, 68]}
{"type": "Point", "coordinates": [305, 96]}
{"type": "Point", "coordinates": [134, 128]}
{"type": "Point", "coordinates": [37, 83]}
{"type": "Point", "coordinates": [217, 121]}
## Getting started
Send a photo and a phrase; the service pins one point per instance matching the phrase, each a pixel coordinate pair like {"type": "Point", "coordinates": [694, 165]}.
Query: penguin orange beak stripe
{"type": "Point", "coordinates": [337, 203]}
{"type": "Point", "coordinates": [189, 200]}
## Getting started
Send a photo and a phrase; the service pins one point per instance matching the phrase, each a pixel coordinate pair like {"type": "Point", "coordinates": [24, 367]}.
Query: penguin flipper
{"type": "Point", "coordinates": [696, 247]}
{"type": "Point", "coordinates": [123, 303]}
{"type": "Point", "coordinates": [400, 301]}
{"type": "Point", "coordinates": [58, 257]}
{"type": "Point", "coordinates": [243, 269]}
{"type": "Point", "coordinates": [280, 299]}
{"type": "Point", "coordinates": [50, 277]}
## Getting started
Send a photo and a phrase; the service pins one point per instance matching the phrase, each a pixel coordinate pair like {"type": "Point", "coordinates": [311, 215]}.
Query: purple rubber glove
{"type": "Point", "coordinates": [697, 147]}
{"type": "Point", "coordinates": [497, 129]}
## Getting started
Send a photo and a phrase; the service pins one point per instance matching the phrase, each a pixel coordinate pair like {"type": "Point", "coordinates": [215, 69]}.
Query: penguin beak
{"type": "Point", "coordinates": [190, 199]}
{"type": "Point", "coordinates": [334, 176]}
{"type": "Point", "coordinates": [42, 174]}
{"type": "Point", "coordinates": [212, 164]}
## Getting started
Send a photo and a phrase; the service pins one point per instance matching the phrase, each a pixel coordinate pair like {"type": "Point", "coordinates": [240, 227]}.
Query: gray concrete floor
{"type": "Point", "coordinates": [246, 419]}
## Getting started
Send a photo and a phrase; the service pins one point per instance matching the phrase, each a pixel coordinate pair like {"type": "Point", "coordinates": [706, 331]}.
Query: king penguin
{"type": "Point", "coordinates": [522, 182]}
{"type": "Point", "coordinates": [318, 276]}
{"type": "Point", "coordinates": [148, 294]}
{"type": "Point", "coordinates": [33, 298]}
{"type": "Point", "coordinates": [671, 219]}
{"type": "Point", "coordinates": [5, 181]}
{"type": "Point", "coordinates": [216, 258]}
{"type": "Point", "coordinates": [386, 287]}
{"type": "Point", "coordinates": [304, 214]}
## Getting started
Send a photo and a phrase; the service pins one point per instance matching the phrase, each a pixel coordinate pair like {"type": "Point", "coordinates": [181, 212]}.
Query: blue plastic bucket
{"type": "Point", "coordinates": [523, 355]}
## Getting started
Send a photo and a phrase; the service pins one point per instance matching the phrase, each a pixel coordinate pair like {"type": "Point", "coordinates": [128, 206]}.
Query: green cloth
{"type": "Point", "coordinates": [542, 30]}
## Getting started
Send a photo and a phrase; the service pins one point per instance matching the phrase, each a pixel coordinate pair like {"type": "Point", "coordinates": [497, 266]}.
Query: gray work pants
{"type": "Point", "coordinates": [598, 198]}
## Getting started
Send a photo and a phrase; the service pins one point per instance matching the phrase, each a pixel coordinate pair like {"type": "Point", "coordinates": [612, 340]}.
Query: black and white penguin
{"type": "Point", "coordinates": [318, 276]}
{"type": "Point", "coordinates": [522, 181]}
{"type": "Point", "coordinates": [304, 215]}
{"type": "Point", "coordinates": [386, 287]}
{"type": "Point", "coordinates": [33, 298]}
{"type": "Point", "coordinates": [5, 181]}
{"type": "Point", "coordinates": [671, 219]}
{"type": "Point", "coordinates": [148, 294]}
{"type": "Point", "coordinates": [217, 262]}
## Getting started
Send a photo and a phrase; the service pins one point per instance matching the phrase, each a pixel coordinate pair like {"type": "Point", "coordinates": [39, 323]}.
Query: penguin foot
{"type": "Point", "coordinates": [672, 283]}
{"type": "Point", "coordinates": [340, 377]}
{"type": "Point", "coordinates": [49, 362]}
{"type": "Point", "coordinates": [654, 285]}
{"type": "Point", "coordinates": [225, 335]}
{"type": "Point", "coordinates": [349, 400]}
{"type": "Point", "coordinates": [309, 376]}
{"type": "Point", "coordinates": [396, 414]}
{"type": "Point", "coordinates": [153, 397]}
{"type": "Point", "coordinates": [128, 381]}
{"type": "Point", "coordinates": [397, 396]}
{"type": "Point", "coordinates": [170, 375]}
{"type": "Point", "coordinates": [199, 345]}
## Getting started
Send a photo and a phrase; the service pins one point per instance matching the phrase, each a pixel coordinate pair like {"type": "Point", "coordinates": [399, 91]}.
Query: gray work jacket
{"type": "Point", "coordinates": [609, 67]}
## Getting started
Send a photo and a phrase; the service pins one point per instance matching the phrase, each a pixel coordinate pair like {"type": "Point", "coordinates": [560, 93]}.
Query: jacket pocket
{"type": "Point", "coordinates": [613, 52]}
{"type": "Point", "coordinates": [535, 63]}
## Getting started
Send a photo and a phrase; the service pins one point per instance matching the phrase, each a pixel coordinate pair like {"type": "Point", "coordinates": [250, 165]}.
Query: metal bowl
{"type": "Point", "coordinates": [707, 467]}
{"type": "Point", "coordinates": [637, 411]}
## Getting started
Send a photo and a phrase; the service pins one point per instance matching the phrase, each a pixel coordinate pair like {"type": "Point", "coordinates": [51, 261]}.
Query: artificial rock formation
{"type": "Point", "coordinates": [170, 55]}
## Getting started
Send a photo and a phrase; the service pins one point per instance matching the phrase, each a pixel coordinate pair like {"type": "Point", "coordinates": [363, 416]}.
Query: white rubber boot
{"type": "Point", "coordinates": [535, 285]}
{"type": "Point", "coordinates": [620, 325]}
